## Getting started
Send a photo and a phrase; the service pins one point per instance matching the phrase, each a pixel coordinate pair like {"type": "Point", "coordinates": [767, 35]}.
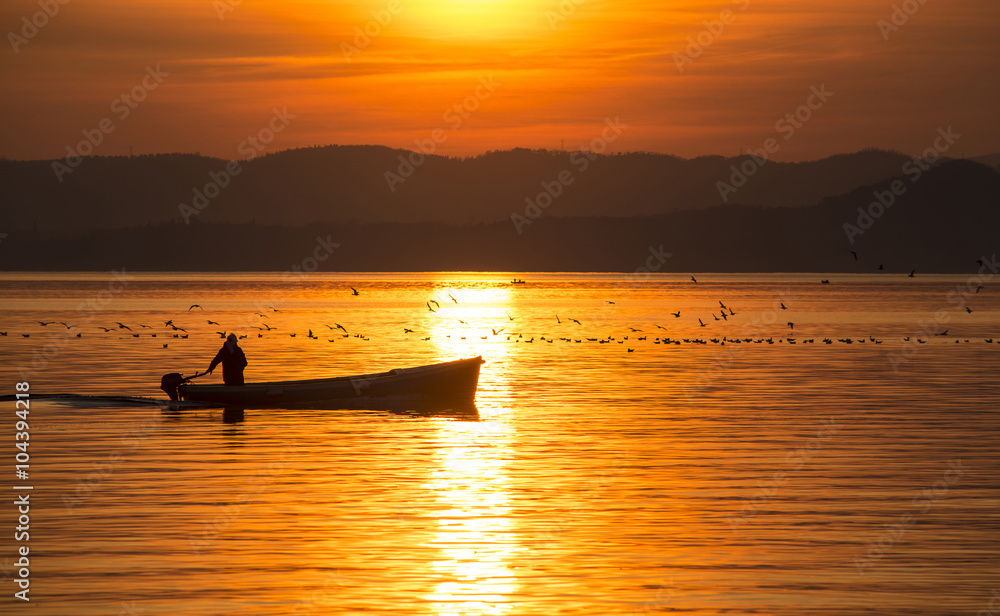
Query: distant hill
{"type": "Point", "coordinates": [942, 222]}
{"type": "Point", "coordinates": [990, 160]}
{"type": "Point", "coordinates": [336, 184]}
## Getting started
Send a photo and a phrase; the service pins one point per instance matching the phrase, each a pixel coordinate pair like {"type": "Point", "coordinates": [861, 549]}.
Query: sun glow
{"type": "Point", "coordinates": [452, 19]}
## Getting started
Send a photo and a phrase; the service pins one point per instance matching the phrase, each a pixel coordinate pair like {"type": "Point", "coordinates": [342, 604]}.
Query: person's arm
{"type": "Point", "coordinates": [216, 361]}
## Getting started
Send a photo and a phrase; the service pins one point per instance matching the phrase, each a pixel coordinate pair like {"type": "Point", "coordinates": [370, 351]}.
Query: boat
{"type": "Point", "coordinates": [517, 281]}
{"type": "Point", "coordinates": [437, 386]}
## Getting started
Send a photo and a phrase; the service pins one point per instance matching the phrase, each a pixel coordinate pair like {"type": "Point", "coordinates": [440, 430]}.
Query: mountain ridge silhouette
{"type": "Point", "coordinates": [942, 222]}
{"type": "Point", "coordinates": [336, 184]}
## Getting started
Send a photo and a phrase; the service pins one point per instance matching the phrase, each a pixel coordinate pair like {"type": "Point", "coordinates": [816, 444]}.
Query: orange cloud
{"type": "Point", "coordinates": [565, 66]}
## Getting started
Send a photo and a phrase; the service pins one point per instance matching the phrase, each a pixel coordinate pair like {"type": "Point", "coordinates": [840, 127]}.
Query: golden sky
{"type": "Point", "coordinates": [557, 71]}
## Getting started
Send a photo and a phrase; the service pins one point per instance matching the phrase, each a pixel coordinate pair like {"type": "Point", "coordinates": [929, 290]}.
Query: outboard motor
{"type": "Point", "coordinates": [170, 382]}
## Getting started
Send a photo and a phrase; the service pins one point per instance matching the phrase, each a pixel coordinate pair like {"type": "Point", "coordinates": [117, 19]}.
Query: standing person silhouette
{"type": "Point", "coordinates": [233, 361]}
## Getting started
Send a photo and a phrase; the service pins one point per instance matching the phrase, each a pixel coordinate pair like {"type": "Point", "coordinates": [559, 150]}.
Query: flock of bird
{"type": "Point", "coordinates": [262, 322]}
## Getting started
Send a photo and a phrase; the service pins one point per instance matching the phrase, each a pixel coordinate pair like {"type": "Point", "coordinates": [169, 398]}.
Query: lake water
{"type": "Point", "coordinates": [627, 477]}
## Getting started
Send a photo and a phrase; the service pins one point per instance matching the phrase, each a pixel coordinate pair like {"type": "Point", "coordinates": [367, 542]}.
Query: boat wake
{"type": "Point", "coordinates": [99, 401]}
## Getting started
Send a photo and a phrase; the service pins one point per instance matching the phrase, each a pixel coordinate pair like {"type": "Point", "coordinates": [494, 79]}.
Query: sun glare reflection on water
{"type": "Point", "coordinates": [469, 322]}
{"type": "Point", "coordinates": [475, 535]}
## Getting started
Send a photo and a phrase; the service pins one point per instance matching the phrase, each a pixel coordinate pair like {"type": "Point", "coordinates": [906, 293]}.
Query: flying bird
{"type": "Point", "coordinates": [791, 325]}
{"type": "Point", "coordinates": [452, 298]}
{"type": "Point", "coordinates": [508, 316]}
{"type": "Point", "coordinates": [123, 326]}
{"type": "Point", "coordinates": [577, 322]}
{"type": "Point", "coordinates": [214, 323]}
{"type": "Point", "coordinates": [405, 330]}
{"type": "Point", "coordinates": [700, 323]}
{"type": "Point", "coordinates": [354, 291]}
{"type": "Point", "coordinates": [912, 272]}
{"type": "Point", "coordinates": [694, 280]}
{"type": "Point", "coordinates": [676, 314]}
{"type": "Point", "coordinates": [855, 255]}
{"type": "Point", "coordinates": [44, 323]}
{"type": "Point", "coordinates": [193, 306]}
{"type": "Point", "coordinates": [429, 307]}
{"type": "Point", "coordinates": [783, 306]}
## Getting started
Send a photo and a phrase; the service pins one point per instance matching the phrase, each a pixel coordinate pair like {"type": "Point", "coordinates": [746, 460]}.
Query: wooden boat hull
{"type": "Point", "coordinates": [449, 384]}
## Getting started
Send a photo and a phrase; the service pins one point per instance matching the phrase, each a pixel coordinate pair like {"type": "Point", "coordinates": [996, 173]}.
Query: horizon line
{"type": "Point", "coordinates": [485, 153]}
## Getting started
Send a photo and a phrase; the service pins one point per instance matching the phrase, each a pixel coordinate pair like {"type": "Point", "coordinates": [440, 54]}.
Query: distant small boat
{"type": "Point", "coordinates": [517, 281]}
{"type": "Point", "coordinates": [451, 383]}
